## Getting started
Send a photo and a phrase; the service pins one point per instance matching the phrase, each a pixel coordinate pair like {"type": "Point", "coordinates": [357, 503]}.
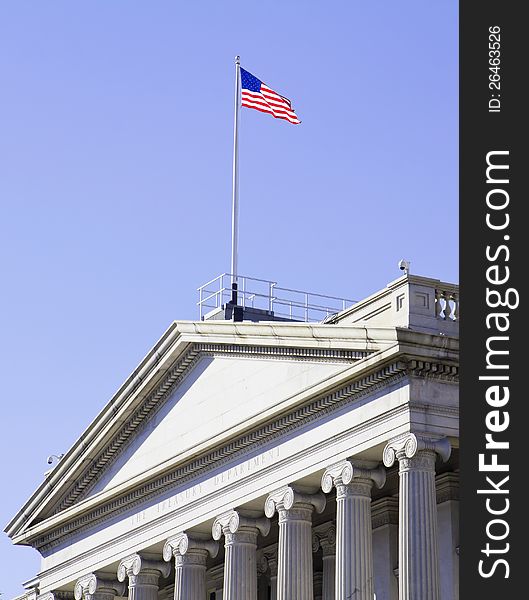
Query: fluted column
{"type": "Point", "coordinates": [270, 553]}
{"type": "Point", "coordinates": [96, 586]}
{"type": "Point", "coordinates": [295, 508]}
{"type": "Point", "coordinates": [318, 585]}
{"type": "Point", "coordinates": [418, 543]}
{"type": "Point", "coordinates": [354, 546]}
{"type": "Point", "coordinates": [240, 563]}
{"type": "Point", "coordinates": [143, 573]}
{"type": "Point", "coordinates": [324, 537]}
{"type": "Point", "coordinates": [385, 521]}
{"type": "Point", "coordinates": [190, 554]}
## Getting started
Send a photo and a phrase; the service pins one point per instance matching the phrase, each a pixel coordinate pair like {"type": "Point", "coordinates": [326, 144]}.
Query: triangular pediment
{"type": "Point", "coordinates": [200, 384]}
{"type": "Point", "coordinates": [219, 394]}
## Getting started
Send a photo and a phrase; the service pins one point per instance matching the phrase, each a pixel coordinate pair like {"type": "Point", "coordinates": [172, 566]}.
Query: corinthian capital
{"type": "Point", "coordinates": [410, 445]}
{"type": "Point", "coordinates": [232, 521]}
{"type": "Point", "coordinates": [137, 563]}
{"type": "Point", "coordinates": [88, 585]}
{"type": "Point", "coordinates": [345, 471]}
{"type": "Point", "coordinates": [181, 543]}
{"type": "Point", "coordinates": [285, 498]}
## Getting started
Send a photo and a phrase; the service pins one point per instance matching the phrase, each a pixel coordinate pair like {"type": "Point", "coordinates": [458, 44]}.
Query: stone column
{"type": "Point", "coordinates": [263, 583]}
{"type": "Point", "coordinates": [418, 543]}
{"type": "Point", "coordinates": [324, 537]}
{"type": "Point", "coordinates": [295, 508]}
{"type": "Point", "coordinates": [385, 520]}
{"type": "Point", "coordinates": [270, 553]}
{"type": "Point", "coordinates": [447, 491]}
{"type": "Point", "coordinates": [96, 586]}
{"type": "Point", "coordinates": [143, 573]}
{"type": "Point", "coordinates": [318, 585]}
{"type": "Point", "coordinates": [354, 546]}
{"type": "Point", "coordinates": [190, 554]}
{"type": "Point", "coordinates": [240, 563]}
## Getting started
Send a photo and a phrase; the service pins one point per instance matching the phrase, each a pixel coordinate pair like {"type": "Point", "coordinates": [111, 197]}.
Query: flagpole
{"type": "Point", "coordinates": [235, 203]}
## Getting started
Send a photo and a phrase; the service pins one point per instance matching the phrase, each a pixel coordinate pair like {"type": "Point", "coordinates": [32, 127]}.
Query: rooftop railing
{"type": "Point", "coordinates": [267, 295]}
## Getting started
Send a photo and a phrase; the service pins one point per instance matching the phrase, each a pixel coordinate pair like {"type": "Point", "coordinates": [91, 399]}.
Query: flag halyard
{"type": "Point", "coordinates": [255, 94]}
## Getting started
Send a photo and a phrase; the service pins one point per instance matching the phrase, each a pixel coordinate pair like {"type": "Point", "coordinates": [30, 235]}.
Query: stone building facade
{"type": "Point", "coordinates": [268, 460]}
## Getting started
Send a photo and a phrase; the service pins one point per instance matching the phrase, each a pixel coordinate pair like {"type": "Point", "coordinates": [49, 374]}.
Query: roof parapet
{"type": "Point", "coordinates": [411, 301]}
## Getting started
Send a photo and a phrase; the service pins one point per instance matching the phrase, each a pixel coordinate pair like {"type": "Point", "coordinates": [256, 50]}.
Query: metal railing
{"type": "Point", "coordinates": [267, 295]}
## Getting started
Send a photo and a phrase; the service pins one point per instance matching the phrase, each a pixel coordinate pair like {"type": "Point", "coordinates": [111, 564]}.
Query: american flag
{"type": "Point", "coordinates": [255, 94]}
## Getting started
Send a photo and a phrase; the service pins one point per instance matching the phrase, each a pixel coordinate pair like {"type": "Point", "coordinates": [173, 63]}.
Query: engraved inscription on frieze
{"type": "Point", "coordinates": [227, 477]}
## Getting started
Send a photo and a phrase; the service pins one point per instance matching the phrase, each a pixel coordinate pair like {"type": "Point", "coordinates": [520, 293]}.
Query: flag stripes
{"type": "Point", "coordinates": [255, 94]}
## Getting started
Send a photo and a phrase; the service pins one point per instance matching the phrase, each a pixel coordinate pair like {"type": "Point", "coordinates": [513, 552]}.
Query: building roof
{"type": "Point", "coordinates": [397, 330]}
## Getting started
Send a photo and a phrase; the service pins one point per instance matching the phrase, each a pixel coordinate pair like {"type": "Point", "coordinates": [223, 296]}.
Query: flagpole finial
{"type": "Point", "coordinates": [237, 60]}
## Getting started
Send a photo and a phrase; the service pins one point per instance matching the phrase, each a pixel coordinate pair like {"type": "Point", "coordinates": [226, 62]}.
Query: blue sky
{"type": "Point", "coordinates": [115, 183]}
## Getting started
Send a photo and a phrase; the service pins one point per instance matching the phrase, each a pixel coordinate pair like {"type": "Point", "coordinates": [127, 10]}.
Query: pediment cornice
{"type": "Point", "coordinates": [67, 509]}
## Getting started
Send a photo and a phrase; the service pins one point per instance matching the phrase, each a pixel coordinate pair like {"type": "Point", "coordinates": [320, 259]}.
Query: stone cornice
{"type": "Point", "coordinates": [436, 370]}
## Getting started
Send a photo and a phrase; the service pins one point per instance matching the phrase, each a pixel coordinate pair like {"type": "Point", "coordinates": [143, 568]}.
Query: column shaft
{"type": "Point", "coordinates": [240, 566]}
{"type": "Point", "coordinates": [273, 587]}
{"type": "Point", "coordinates": [418, 552]}
{"type": "Point", "coordinates": [294, 575]}
{"type": "Point", "coordinates": [240, 562]}
{"type": "Point", "coordinates": [190, 575]}
{"type": "Point", "coordinates": [318, 586]}
{"type": "Point", "coordinates": [354, 545]}
{"type": "Point", "coordinates": [354, 552]}
{"type": "Point", "coordinates": [271, 556]}
{"type": "Point", "coordinates": [144, 586]}
{"type": "Point", "coordinates": [329, 566]}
